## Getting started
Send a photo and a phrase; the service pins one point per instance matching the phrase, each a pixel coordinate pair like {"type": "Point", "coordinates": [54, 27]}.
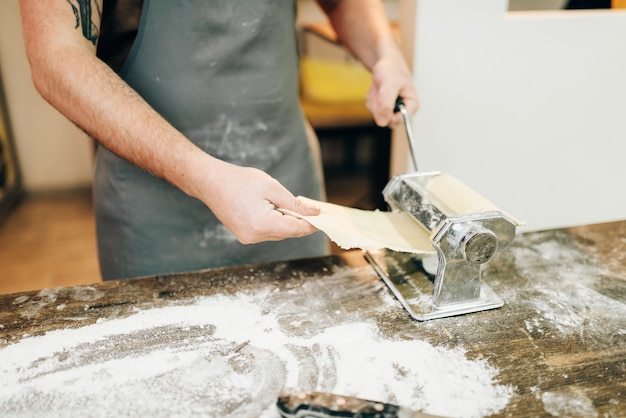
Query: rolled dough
{"type": "Point", "coordinates": [461, 199]}
{"type": "Point", "coordinates": [369, 230]}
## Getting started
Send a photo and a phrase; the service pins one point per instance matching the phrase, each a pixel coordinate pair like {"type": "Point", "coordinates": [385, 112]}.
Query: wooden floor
{"type": "Point", "coordinates": [49, 241]}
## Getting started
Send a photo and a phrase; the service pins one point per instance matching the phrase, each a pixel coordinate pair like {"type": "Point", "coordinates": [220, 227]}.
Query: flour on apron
{"type": "Point", "coordinates": [224, 73]}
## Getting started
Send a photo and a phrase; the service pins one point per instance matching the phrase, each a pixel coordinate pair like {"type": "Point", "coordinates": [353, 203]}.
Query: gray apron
{"type": "Point", "coordinates": [224, 73]}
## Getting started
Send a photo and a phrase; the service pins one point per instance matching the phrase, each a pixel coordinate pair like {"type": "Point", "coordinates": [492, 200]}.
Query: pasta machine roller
{"type": "Point", "coordinates": [465, 231]}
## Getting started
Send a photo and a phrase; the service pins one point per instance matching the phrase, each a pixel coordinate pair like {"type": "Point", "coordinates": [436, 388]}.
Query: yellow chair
{"type": "Point", "coordinates": [333, 93]}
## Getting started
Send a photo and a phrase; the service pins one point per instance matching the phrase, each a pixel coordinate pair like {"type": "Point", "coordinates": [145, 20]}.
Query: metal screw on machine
{"type": "Point", "coordinates": [478, 245]}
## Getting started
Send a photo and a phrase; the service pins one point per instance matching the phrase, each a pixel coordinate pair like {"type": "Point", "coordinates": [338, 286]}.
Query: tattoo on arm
{"type": "Point", "coordinates": [82, 12]}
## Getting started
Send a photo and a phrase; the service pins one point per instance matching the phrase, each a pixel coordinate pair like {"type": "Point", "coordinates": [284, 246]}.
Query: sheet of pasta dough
{"type": "Point", "coordinates": [461, 199]}
{"type": "Point", "coordinates": [354, 228]}
{"type": "Point", "coordinates": [369, 230]}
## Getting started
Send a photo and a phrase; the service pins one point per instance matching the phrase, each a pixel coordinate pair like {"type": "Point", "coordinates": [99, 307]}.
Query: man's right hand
{"type": "Point", "coordinates": [245, 200]}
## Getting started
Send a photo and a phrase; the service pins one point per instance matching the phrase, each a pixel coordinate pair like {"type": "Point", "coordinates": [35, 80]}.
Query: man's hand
{"type": "Point", "coordinates": [391, 79]}
{"type": "Point", "coordinates": [245, 201]}
{"type": "Point", "coordinates": [362, 26]}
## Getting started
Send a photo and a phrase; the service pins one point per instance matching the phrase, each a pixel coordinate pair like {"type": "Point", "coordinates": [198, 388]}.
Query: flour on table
{"type": "Point", "coordinates": [563, 290]}
{"type": "Point", "coordinates": [229, 356]}
{"type": "Point", "coordinates": [568, 403]}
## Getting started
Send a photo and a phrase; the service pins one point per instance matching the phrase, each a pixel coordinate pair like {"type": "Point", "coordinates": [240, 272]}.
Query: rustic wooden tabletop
{"type": "Point", "coordinates": [224, 342]}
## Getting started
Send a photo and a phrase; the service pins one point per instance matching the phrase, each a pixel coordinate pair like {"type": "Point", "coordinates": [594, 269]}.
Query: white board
{"type": "Point", "coordinates": [528, 108]}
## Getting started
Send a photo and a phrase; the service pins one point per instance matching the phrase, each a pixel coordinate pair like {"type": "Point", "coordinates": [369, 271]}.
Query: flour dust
{"type": "Point", "coordinates": [229, 356]}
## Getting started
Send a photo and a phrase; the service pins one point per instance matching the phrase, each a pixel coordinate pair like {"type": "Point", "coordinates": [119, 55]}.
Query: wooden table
{"type": "Point", "coordinates": [556, 348]}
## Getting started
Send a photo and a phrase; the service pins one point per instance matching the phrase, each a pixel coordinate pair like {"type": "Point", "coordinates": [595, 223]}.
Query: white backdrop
{"type": "Point", "coordinates": [528, 108]}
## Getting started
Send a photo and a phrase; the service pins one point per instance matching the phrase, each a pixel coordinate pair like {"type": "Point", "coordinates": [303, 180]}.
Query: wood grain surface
{"type": "Point", "coordinates": [559, 341]}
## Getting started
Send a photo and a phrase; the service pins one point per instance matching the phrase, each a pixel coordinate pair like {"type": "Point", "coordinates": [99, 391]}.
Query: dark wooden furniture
{"type": "Point", "coordinates": [559, 342]}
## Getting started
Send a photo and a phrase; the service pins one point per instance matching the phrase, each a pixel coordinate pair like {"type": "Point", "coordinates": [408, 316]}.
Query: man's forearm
{"type": "Point", "coordinates": [104, 106]}
{"type": "Point", "coordinates": [363, 27]}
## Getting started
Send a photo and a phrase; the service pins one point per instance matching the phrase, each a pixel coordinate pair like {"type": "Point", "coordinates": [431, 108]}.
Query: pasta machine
{"type": "Point", "coordinates": [465, 231]}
